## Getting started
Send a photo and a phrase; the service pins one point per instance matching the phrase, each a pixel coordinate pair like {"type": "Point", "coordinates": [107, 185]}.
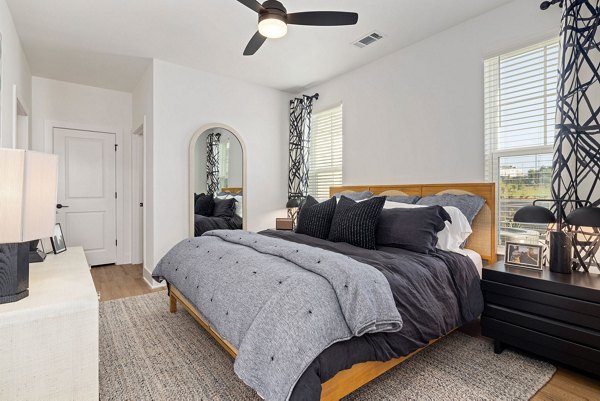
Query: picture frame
{"type": "Point", "coordinates": [58, 240]}
{"type": "Point", "coordinates": [528, 256]}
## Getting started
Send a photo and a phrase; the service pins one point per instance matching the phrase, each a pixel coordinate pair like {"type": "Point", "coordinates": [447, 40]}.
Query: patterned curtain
{"type": "Point", "coordinates": [212, 163]}
{"type": "Point", "coordinates": [300, 115]}
{"type": "Point", "coordinates": [576, 165]}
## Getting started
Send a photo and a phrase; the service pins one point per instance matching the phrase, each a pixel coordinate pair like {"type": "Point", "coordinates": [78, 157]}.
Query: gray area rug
{"type": "Point", "coordinates": [147, 353]}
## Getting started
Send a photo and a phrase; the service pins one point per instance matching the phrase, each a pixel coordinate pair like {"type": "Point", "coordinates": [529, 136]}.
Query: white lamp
{"type": "Point", "coordinates": [27, 212]}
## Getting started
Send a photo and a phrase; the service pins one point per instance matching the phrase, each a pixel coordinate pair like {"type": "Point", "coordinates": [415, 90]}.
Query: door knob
{"type": "Point", "coordinates": [59, 206]}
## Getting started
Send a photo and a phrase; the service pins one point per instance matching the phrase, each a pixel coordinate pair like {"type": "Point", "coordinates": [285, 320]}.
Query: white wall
{"type": "Point", "coordinates": [15, 71]}
{"type": "Point", "coordinates": [91, 108]}
{"type": "Point", "coordinates": [416, 116]}
{"type": "Point", "coordinates": [186, 99]}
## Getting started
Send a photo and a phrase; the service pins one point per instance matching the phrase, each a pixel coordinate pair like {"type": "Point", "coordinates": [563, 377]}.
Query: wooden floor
{"type": "Point", "coordinates": [120, 281]}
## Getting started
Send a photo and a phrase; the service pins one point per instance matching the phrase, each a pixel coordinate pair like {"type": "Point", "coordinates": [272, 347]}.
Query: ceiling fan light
{"type": "Point", "coordinates": [272, 28]}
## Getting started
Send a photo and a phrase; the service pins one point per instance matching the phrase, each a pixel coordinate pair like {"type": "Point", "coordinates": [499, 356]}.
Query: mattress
{"type": "Point", "coordinates": [476, 258]}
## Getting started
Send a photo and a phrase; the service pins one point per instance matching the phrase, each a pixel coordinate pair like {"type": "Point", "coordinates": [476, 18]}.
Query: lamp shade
{"type": "Point", "coordinates": [534, 214]}
{"type": "Point", "coordinates": [584, 217]}
{"type": "Point", "coordinates": [28, 184]}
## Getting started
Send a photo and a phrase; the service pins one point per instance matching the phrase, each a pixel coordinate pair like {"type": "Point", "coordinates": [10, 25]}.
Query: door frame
{"type": "Point", "coordinates": [138, 139]}
{"type": "Point", "coordinates": [49, 127]}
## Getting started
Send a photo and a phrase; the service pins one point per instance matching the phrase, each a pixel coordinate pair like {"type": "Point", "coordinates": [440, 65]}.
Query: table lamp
{"type": "Point", "coordinates": [293, 206]}
{"type": "Point", "coordinates": [27, 212]}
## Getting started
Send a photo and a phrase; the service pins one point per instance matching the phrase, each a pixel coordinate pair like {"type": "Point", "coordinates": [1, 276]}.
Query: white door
{"type": "Point", "coordinates": [86, 206]}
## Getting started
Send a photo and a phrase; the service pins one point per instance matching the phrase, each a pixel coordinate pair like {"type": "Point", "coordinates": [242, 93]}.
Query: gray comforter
{"type": "Point", "coordinates": [279, 303]}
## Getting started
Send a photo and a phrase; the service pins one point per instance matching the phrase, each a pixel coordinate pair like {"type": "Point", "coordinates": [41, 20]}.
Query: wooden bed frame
{"type": "Point", "coordinates": [482, 240]}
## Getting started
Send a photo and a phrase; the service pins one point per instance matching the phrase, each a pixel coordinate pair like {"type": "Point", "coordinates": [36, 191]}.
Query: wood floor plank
{"type": "Point", "coordinates": [121, 281]}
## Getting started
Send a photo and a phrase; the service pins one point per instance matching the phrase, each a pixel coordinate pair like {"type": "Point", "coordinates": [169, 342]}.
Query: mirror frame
{"type": "Point", "coordinates": [192, 172]}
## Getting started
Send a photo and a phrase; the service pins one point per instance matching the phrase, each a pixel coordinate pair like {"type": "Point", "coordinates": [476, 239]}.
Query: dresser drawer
{"type": "Point", "coordinates": [577, 355]}
{"type": "Point", "coordinates": [556, 307]}
{"type": "Point", "coordinates": [566, 331]}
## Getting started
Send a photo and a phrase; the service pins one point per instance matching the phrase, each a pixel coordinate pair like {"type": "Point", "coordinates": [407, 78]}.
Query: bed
{"type": "Point", "coordinates": [203, 224]}
{"type": "Point", "coordinates": [347, 365]}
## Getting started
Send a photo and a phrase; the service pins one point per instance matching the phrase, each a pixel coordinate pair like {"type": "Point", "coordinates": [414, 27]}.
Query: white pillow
{"type": "Point", "coordinates": [451, 237]}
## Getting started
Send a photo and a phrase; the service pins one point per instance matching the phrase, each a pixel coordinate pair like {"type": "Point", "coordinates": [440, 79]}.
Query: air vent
{"type": "Point", "coordinates": [369, 39]}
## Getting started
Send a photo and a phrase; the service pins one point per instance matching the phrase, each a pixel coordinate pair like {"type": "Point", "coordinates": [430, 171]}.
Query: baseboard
{"type": "Point", "coordinates": [150, 281]}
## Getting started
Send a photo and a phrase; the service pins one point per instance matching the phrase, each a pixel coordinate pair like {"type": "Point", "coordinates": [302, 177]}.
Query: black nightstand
{"type": "Point", "coordinates": [553, 315]}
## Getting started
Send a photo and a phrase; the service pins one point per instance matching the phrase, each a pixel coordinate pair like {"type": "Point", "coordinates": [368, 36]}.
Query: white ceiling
{"type": "Point", "coordinates": [108, 43]}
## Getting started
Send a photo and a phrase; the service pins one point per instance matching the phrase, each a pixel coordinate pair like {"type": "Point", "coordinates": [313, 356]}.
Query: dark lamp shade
{"type": "Point", "coordinates": [293, 203]}
{"type": "Point", "coordinates": [584, 217]}
{"type": "Point", "coordinates": [534, 214]}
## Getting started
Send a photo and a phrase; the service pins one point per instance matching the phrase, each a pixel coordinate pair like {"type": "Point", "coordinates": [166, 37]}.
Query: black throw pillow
{"type": "Point", "coordinates": [356, 222]}
{"type": "Point", "coordinates": [224, 207]}
{"type": "Point", "coordinates": [412, 229]}
{"type": "Point", "coordinates": [315, 218]}
{"type": "Point", "coordinates": [204, 205]}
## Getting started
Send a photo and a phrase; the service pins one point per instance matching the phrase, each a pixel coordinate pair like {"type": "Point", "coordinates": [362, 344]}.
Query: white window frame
{"type": "Point", "coordinates": [491, 124]}
{"type": "Point", "coordinates": [332, 169]}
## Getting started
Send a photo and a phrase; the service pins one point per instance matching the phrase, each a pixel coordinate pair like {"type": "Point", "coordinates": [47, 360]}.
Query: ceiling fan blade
{"type": "Point", "coordinates": [323, 18]}
{"type": "Point", "coordinates": [253, 5]}
{"type": "Point", "coordinates": [254, 44]}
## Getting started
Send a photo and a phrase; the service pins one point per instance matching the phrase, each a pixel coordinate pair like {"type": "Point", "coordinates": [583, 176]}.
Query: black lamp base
{"type": "Point", "coordinates": [561, 251]}
{"type": "Point", "coordinates": [14, 272]}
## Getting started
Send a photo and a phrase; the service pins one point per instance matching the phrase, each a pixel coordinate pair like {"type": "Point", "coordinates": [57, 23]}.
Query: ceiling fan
{"type": "Point", "coordinates": [273, 20]}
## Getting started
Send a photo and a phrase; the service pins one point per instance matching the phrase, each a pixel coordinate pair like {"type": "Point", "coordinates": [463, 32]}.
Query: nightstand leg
{"type": "Point", "coordinates": [498, 347]}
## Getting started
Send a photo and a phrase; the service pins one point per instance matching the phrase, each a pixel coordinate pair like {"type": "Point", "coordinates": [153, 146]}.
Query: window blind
{"type": "Point", "coordinates": [520, 109]}
{"type": "Point", "coordinates": [325, 160]}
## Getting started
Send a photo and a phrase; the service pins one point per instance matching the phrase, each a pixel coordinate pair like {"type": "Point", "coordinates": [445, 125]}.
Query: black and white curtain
{"type": "Point", "coordinates": [576, 165]}
{"type": "Point", "coordinates": [212, 163]}
{"type": "Point", "coordinates": [300, 115]}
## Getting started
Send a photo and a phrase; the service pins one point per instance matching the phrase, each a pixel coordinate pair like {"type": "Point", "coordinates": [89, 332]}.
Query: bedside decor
{"type": "Point", "coordinates": [284, 224]}
{"type": "Point", "coordinates": [524, 255]}
{"type": "Point", "coordinates": [293, 207]}
{"type": "Point", "coordinates": [36, 255]}
{"type": "Point", "coordinates": [27, 212]}
{"type": "Point", "coordinates": [58, 240]}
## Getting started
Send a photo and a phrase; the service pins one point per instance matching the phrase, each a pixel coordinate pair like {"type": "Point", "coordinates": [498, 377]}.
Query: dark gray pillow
{"type": "Point", "coordinates": [315, 218]}
{"type": "Point", "coordinates": [224, 208]}
{"type": "Point", "coordinates": [356, 222]}
{"type": "Point", "coordinates": [412, 229]}
{"type": "Point", "coordinates": [204, 205]}
{"type": "Point", "coordinates": [355, 195]}
{"type": "Point", "coordinates": [404, 199]}
{"type": "Point", "coordinates": [469, 205]}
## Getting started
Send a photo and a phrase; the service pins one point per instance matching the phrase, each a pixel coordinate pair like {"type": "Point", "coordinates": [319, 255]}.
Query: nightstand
{"type": "Point", "coordinates": [554, 315]}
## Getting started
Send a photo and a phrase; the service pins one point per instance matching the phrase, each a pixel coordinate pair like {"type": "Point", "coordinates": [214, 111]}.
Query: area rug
{"type": "Point", "coordinates": [147, 353]}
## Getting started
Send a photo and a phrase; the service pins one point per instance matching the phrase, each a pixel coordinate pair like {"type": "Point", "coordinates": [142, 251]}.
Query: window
{"type": "Point", "coordinates": [520, 110]}
{"type": "Point", "coordinates": [224, 164]}
{"type": "Point", "coordinates": [325, 162]}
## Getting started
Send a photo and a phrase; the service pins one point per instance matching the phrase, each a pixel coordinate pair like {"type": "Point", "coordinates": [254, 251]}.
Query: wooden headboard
{"type": "Point", "coordinates": [483, 238]}
{"type": "Point", "coordinates": [232, 190]}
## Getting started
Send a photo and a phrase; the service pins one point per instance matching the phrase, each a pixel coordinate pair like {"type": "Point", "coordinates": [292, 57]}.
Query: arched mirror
{"type": "Point", "coordinates": [217, 164]}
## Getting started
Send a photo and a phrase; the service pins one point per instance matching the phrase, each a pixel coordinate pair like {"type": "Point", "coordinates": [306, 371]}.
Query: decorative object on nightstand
{"type": "Point", "coordinates": [568, 232]}
{"type": "Point", "coordinates": [27, 201]}
{"type": "Point", "coordinates": [550, 314]}
{"type": "Point", "coordinates": [284, 223]}
{"type": "Point", "coordinates": [528, 256]}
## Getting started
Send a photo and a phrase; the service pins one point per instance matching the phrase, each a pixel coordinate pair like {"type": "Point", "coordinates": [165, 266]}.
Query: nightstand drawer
{"type": "Point", "coordinates": [566, 331]}
{"type": "Point", "coordinates": [577, 355]}
{"type": "Point", "coordinates": [570, 310]}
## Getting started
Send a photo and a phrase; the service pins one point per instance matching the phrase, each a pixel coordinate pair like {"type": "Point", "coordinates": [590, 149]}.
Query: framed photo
{"type": "Point", "coordinates": [58, 240]}
{"type": "Point", "coordinates": [524, 255]}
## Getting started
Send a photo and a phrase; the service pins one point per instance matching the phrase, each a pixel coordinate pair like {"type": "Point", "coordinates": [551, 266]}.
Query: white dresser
{"type": "Point", "coordinates": [49, 340]}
